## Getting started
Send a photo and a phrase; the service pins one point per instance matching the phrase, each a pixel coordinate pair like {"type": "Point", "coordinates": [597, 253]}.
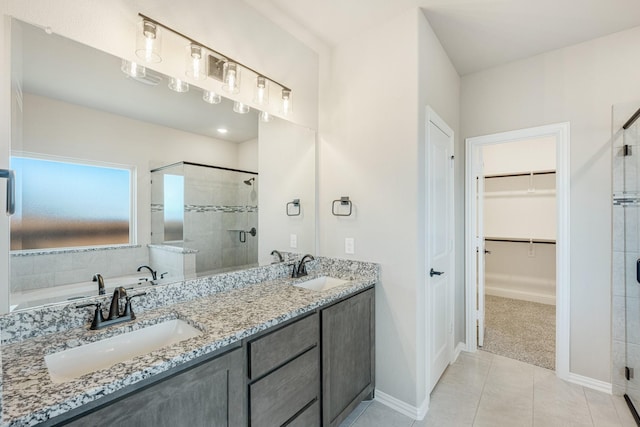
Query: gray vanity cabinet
{"type": "Point", "coordinates": [209, 394]}
{"type": "Point", "coordinates": [347, 356]}
{"type": "Point", "coordinates": [284, 375]}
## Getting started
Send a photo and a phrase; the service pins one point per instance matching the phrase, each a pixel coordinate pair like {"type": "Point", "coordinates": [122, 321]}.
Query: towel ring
{"type": "Point", "coordinates": [343, 201]}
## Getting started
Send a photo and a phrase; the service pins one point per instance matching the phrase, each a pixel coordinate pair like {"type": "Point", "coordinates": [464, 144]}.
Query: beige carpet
{"type": "Point", "coordinates": [521, 330]}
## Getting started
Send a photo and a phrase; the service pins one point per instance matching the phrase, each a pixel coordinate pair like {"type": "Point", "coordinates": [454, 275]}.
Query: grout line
{"type": "Point", "coordinates": [584, 393]}
{"type": "Point", "coordinates": [484, 384]}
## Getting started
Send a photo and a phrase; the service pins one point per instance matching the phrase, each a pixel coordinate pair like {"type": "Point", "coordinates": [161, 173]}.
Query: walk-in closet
{"type": "Point", "coordinates": [519, 222]}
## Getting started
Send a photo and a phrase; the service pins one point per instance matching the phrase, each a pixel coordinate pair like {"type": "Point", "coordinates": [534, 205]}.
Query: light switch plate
{"type": "Point", "coordinates": [293, 241]}
{"type": "Point", "coordinates": [349, 245]}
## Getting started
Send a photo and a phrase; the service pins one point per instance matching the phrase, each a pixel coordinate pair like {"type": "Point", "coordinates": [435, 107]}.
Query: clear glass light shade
{"type": "Point", "coordinates": [178, 85]}
{"type": "Point", "coordinates": [196, 62]}
{"type": "Point", "coordinates": [286, 102]}
{"type": "Point", "coordinates": [133, 69]}
{"type": "Point", "coordinates": [261, 93]}
{"type": "Point", "coordinates": [211, 97]}
{"type": "Point", "coordinates": [231, 77]}
{"type": "Point", "coordinates": [149, 41]}
{"type": "Point", "coordinates": [265, 116]}
{"type": "Point", "coordinates": [240, 108]}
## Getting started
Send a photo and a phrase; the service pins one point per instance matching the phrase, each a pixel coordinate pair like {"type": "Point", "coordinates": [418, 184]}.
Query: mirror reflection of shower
{"type": "Point", "coordinates": [219, 209]}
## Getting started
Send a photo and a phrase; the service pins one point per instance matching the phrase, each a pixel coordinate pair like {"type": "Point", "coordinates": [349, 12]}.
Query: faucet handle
{"type": "Point", "coordinates": [128, 310]}
{"type": "Point", "coordinates": [98, 316]}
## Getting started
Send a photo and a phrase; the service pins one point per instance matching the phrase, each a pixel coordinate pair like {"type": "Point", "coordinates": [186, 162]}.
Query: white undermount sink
{"type": "Point", "coordinates": [69, 364]}
{"type": "Point", "coordinates": [321, 283]}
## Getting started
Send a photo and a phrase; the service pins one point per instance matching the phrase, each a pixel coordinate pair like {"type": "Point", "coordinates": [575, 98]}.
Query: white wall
{"type": "Point", "coordinates": [578, 84]}
{"type": "Point", "coordinates": [532, 155]}
{"type": "Point", "coordinates": [287, 169]}
{"type": "Point", "coordinates": [231, 27]}
{"type": "Point", "coordinates": [371, 136]}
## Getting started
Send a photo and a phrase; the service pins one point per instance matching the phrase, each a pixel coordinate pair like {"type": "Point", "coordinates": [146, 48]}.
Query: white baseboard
{"type": "Point", "coordinates": [591, 383]}
{"type": "Point", "coordinates": [521, 295]}
{"type": "Point", "coordinates": [415, 413]}
{"type": "Point", "coordinates": [459, 349]}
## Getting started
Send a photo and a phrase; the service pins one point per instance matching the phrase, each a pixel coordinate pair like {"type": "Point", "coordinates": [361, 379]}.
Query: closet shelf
{"type": "Point", "coordinates": [519, 240]}
{"type": "Point", "coordinates": [520, 193]}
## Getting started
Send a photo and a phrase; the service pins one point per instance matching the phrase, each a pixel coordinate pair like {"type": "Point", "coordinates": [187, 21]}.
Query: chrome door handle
{"type": "Point", "coordinates": [435, 273]}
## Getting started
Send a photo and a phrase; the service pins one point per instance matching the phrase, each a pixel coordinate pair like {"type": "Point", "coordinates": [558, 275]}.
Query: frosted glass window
{"type": "Point", "coordinates": [63, 204]}
{"type": "Point", "coordinates": [173, 208]}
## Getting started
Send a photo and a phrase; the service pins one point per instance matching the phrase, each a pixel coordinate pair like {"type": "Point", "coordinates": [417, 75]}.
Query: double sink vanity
{"type": "Point", "coordinates": [251, 347]}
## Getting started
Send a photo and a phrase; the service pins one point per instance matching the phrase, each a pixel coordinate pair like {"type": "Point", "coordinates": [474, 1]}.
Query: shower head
{"type": "Point", "coordinates": [249, 181]}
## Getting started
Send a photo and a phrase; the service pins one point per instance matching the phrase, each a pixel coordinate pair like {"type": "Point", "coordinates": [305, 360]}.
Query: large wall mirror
{"type": "Point", "coordinates": [117, 171]}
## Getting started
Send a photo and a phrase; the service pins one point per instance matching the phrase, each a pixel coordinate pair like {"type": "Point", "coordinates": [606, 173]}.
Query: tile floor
{"type": "Point", "coordinates": [482, 389]}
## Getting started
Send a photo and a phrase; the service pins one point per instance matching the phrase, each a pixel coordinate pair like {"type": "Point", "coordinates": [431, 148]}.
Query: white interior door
{"type": "Point", "coordinates": [440, 249]}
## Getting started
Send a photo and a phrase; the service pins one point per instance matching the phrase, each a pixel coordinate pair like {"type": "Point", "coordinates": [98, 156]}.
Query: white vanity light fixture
{"type": "Point", "coordinates": [148, 41]}
{"type": "Point", "coordinates": [261, 95]}
{"type": "Point", "coordinates": [240, 107]}
{"type": "Point", "coordinates": [211, 97]}
{"type": "Point", "coordinates": [196, 63]}
{"type": "Point", "coordinates": [177, 85]}
{"type": "Point", "coordinates": [202, 61]}
{"type": "Point", "coordinates": [133, 69]}
{"type": "Point", "coordinates": [231, 78]}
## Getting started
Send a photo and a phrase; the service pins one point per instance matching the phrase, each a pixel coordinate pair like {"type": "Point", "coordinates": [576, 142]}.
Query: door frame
{"type": "Point", "coordinates": [432, 117]}
{"type": "Point", "coordinates": [561, 131]}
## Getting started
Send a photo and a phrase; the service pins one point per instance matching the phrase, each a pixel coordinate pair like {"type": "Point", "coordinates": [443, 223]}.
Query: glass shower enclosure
{"type": "Point", "coordinates": [208, 211]}
{"type": "Point", "coordinates": [626, 254]}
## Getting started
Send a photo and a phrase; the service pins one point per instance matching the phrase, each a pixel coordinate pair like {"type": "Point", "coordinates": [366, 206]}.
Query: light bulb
{"type": "Point", "coordinates": [177, 85]}
{"type": "Point", "coordinates": [265, 116]}
{"type": "Point", "coordinates": [231, 77]}
{"type": "Point", "coordinates": [262, 91]}
{"type": "Point", "coordinates": [211, 97]}
{"type": "Point", "coordinates": [148, 41]}
{"type": "Point", "coordinates": [286, 101]}
{"type": "Point", "coordinates": [196, 64]}
{"type": "Point", "coordinates": [240, 108]}
{"type": "Point", "coordinates": [133, 69]}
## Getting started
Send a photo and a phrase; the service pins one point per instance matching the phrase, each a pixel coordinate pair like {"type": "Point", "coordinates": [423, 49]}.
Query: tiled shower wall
{"type": "Point", "coordinates": [218, 206]}
{"type": "Point", "coordinates": [626, 251]}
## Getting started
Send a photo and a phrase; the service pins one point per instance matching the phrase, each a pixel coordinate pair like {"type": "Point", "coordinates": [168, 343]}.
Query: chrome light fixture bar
{"type": "Point", "coordinates": [217, 63]}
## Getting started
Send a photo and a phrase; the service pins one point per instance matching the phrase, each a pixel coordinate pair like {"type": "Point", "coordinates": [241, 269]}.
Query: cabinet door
{"type": "Point", "coordinates": [210, 394]}
{"type": "Point", "coordinates": [347, 356]}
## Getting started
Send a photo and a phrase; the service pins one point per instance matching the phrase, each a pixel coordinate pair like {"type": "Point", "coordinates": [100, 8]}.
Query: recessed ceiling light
{"type": "Point", "coordinates": [222, 130]}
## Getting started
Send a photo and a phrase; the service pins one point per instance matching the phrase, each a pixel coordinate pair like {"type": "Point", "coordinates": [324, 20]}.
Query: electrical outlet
{"type": "Point", "coordinates": [349, 245]}
{"type": "Point", "coordinates": [293, 241]}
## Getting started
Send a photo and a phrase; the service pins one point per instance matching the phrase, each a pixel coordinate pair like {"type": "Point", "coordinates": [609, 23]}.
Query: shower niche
{"type": "Point", "coordinates": [204, 219]}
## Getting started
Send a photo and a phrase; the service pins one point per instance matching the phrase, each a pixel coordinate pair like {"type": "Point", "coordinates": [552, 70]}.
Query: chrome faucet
{"type": "Point", "coordinates": [115, 315]}
{"type": "Point", "coordinates": [278, 254]}
{"type": "Point", "coordinates": [98, 278]}
{"type": "Point", "coordinates": [154, 274]}
{"type": "Point", "coordinates": [302, 267]}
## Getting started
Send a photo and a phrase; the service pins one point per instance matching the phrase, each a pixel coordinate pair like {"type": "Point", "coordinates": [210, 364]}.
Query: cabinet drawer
{"type": "Point", "coordinates": [280, 395]}
{"type": "Point", "coordinates": [309, 418]}
{"type": "Point", "coordinates": [272, 350]}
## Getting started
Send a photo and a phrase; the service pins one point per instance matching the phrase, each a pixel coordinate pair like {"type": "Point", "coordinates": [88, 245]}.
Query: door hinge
{"type": "Point", "coordinates": [626, 150]}
{"type": "Point", "coordinates": [628, 373]}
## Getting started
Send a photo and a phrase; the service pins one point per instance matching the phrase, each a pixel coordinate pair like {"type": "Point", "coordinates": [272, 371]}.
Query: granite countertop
{"type": "Point", "coordinates": [30, 397]}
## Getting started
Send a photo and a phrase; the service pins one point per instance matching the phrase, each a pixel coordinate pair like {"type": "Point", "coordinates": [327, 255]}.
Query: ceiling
{"type": "Point", "coordinates": [59, 68]}
{"type": "Point", "coordinates": [476, 34]}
